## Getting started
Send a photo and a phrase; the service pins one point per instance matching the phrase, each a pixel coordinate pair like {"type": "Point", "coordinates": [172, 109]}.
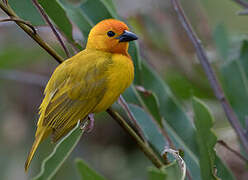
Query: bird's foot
{"type": "Point", "coordinates": [90, 124]}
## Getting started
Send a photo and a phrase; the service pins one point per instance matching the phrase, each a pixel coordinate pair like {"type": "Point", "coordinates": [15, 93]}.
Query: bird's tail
{"type": "Point", "coordinates": [38, 139]}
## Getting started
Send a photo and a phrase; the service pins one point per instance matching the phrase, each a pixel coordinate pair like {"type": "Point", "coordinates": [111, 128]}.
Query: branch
{"type": "Point", "coordinates": [124, 105]}
{"type": "Point", "coordinates": [48, 21]}
{"type": "Point", "coordinates": [231, 116]}
{"type": "Point", "coordinates": [143, 146]}
{"type": "Point", "coordinates": [242, 3]}
{"type": "Point", "coordinates": [36, 37]}
{"type": "Point", "coordinates": [20, 21]}
{"type": "Point", "coordinates": [224, 144]}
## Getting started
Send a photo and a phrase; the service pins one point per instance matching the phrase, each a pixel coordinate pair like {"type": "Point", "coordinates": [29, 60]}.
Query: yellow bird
{"type": "Point", "coordinates": [89, 82]}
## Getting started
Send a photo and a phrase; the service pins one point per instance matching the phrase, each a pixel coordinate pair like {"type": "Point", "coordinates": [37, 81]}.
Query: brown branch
{"type": "Point", "coordinates": [20, 21]}
{"type": "Point", "coordinates": [48, 21]}
{"type": "Point", "coordinates": [124, 105]}
{"type": "Point", "coordinates": [231, 116]}
{"type": "Point", "coordinates": [224, 144]}
{"type": "Point", "coordinates": [242, 3]}
{"type": "Point", "coordinates": [143, 146]}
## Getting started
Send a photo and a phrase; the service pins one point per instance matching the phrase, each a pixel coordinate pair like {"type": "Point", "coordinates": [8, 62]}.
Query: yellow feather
{"type": "Point", "coordinates": [88, 82]}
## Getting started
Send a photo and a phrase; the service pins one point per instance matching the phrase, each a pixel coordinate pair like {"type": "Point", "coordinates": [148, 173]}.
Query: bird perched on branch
{"type": "Point", "coordinates": [87, 83]}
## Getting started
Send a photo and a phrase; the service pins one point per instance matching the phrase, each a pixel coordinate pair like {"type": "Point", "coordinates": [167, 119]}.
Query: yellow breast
{"type": "Point", "coordinates": [120, 76]}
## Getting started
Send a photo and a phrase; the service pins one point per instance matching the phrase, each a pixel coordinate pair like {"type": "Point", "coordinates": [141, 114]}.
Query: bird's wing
{"type": "Point", "coordinates": [73, 91]}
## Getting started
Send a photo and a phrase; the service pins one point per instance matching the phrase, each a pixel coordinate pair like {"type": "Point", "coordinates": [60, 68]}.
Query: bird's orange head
{"type": "Point", "coordinates": [110, 35]}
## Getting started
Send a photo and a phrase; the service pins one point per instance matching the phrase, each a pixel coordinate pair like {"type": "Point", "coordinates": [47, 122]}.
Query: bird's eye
{"type": "Point", "coordinates": [110, 34]}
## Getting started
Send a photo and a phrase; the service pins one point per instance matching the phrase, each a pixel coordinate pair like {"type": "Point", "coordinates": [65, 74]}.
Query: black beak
{"type": "Point", "coordinates": [127, 36]}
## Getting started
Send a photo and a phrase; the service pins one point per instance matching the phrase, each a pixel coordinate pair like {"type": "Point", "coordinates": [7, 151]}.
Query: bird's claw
{"type": "Point", "coordinates": [90, 125]}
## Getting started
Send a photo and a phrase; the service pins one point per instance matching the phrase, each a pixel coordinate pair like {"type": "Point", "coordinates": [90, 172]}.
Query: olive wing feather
{"type": "Point", "coordinates": [72, 93]}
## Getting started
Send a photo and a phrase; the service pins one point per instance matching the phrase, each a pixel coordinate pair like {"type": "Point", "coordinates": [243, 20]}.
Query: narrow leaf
{"type": "Point", "coordinates": [156, 174]}
{"type": "Point", "coordinates": [62, 150]}
{"type": "Point", "coordinates": [104, 10]}
{"type": "Point", "coordinates": [206, 139]}
{"type": "Point", "coordinates": [222, 170]}
{"type": "Point", "coordinates": [221, 40]}
{"type": "Point", "coordinates": [58, 15]}
{"type": "Point", "coordinates": [76, 14]}
{"type": "Point", "coordinates": [175, 120]}
{"type": "Point", "coordinates": [149, 127]}
{"type": "Point", "coordinates": [151, 102]}
{"type": "Point", "coordinates": [169, 172]}
{"type": "Point", "coordinates": [26, 10]}
{"type": "Point", "coordinates": [236, 87]}
{"type": "Point", "coordinates": [86, 172]}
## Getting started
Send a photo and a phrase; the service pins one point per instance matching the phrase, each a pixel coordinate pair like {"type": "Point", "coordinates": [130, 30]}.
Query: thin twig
{"type": "Point", "coordinates": [48, 21]}
{"type": "Point", "coordinates": [124, 105]}
{"type": "Point", "coordinates": [231, 116]}
{"type": "Point", "coordinates": [36, 37]}
{"type": "Point", "coordinates": [143, 146]}
{"type": "Point", "coordinates": [243, 13]}
{"type": "Point", "coordinates": [163, 132]}
{"type": "Point", "coordinates": [20, 21]}
{"type": "Point", "coordinates": [242, 3]}
{"type": "Point", "coordinates": [224, 144]}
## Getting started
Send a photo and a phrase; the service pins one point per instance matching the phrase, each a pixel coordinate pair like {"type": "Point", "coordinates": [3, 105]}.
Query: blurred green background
{"type": "Point", "coordinates": [25, 69]}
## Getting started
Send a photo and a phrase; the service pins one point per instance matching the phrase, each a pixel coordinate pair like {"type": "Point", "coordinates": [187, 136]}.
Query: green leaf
{"type": "Point", "coordinates": [104, 8]}
{"type": "Point", "coordinates": [206, 139]}
{"type": "Point", "coordinates": [235, 85]}
{"type": "Point", "coordinates": [169, 172]}
{"type": "Point", "coordinates": [26, 10]}
{"type": "Point", "coordinates": [156, 174]}
{"type": "Point", "coordinates": [149, 127]}
{"type": "Point", "coordinates": [175, 120]}
{"type": "Point", "coordinates": [76, 14]}
{"type": "Point", "coordinates": [222, 171]}
{"type": "Point", "coordinates": [58, 15]}
{"type": "Point", "coordinates": [221, 40]}
{"type": "Point", "coordinates": [132, 96]}
{"type": "Point", "coordinates": [62, 150]}
{"type": "Point", "coordinates": [152, 104]}
{"type": "Point", "coordinates": [86, 172]}
{"type": "Point", "coordinates": [134, 53]}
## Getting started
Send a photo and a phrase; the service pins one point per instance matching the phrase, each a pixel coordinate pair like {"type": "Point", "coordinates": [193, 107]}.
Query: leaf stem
{"type": "Point", "coordinates": [231, 116]}
{"type": "Point", "coordinates": [48, 21]}
{"type": "Point", "coordinates": [143, 146]}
